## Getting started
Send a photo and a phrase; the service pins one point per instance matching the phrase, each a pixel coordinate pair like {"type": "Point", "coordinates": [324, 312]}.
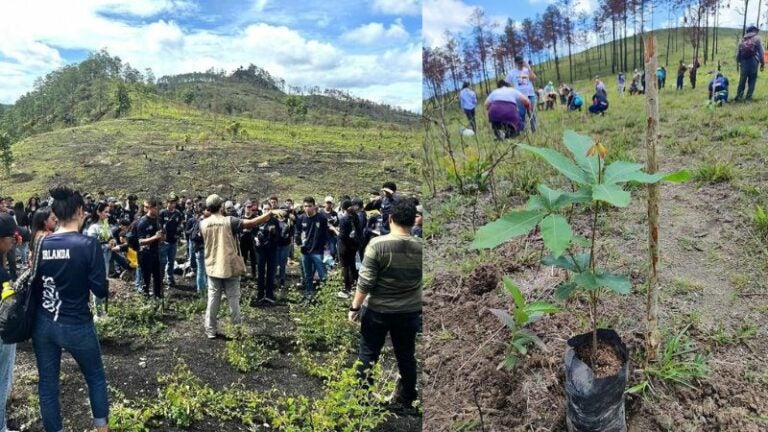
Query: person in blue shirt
{"type": "Point", "coordinates": [71, 267]}
{"type": "Point", "coordinates": [468, 102]}
{"type": "Point", "coordinates": [171, 223]}
{"type": "Point", "coordinates": [599, 103]}
{"type": "Point", "coordinates": [311, 237]}
{"type": "Point", "coordinates": [7, 351]}
{"type": "Point", "coordinates": [718, 89]}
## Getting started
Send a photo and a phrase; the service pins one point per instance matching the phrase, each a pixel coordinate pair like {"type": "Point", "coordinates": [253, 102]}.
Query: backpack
{"type": "Point", "coordinates": [18, 305]}
{"type": "Point", "coordinates": [747, 48]}
{"type": "Point", "coordinates": [577, 101]}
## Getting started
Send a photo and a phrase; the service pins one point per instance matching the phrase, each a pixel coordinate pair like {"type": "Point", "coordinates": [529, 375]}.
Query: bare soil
{"type": "Point", "coordinates": [604, 362]}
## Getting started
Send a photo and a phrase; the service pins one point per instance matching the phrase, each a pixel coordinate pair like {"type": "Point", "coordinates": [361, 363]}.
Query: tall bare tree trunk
{"type": "Point", "coordinates": [652, 338]}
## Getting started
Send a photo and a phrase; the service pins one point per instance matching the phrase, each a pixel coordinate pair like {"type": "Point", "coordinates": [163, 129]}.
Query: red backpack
{"type": "Point", "coordinates": [747, 48]}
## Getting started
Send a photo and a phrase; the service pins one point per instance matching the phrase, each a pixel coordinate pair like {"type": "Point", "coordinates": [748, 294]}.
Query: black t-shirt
{"type": "Point", "coordinates": [268, 235]}
{"type": "Point", "coordinates": [72, 267]}
{"type": "Point", "coordinates": [145, 228]}
{"type": "Point", "coordinates": [333, 220]}
{"type": "Point", "coordinates": [171, 223]}
{"type": "Point", "coordinates": [312, 233]}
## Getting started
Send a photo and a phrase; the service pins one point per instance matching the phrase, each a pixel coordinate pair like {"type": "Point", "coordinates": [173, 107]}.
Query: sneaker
{"type": "Point", "coordinates": [210, 336]}
{"type": "Point", "coordinates": [269, 301]}
{"type": "Point", "coordinates": [342, 295]}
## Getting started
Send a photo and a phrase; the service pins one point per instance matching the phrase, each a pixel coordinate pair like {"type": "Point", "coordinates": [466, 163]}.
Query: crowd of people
{"type": "Point", "coordinates": [516, 98]}
{"type": "Point", "coordinates": [79, 240]}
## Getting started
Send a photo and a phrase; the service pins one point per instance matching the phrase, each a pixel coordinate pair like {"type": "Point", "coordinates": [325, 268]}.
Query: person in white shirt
{"type": "Point", "coordinates": [522, 78]}
{"type": "Point", "coordinates": [468, 102]}
{"type": "Point", "coordinates": [503, 106]}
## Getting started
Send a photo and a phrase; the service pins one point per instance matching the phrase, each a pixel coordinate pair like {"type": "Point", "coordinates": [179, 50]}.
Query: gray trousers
{"type": "Point", "coordinates": [216, 287]}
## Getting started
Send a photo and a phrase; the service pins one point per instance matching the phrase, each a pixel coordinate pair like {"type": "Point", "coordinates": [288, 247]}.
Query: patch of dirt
{"type": "Point", "coordinates": [604, 362]}
{"type": "Point", "coordinates": [484, 278]}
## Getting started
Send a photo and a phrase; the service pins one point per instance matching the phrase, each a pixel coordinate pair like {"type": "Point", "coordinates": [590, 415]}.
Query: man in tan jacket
{"type": "Point", "coordinates": [223, 260]}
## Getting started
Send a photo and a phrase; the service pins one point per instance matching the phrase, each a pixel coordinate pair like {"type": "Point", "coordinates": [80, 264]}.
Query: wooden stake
{"type": "Point", "coordinates": [652, 338]}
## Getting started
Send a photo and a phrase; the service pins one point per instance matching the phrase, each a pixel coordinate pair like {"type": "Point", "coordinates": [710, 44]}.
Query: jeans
{"type": "Point", "coordinates": [23, 252]}
{"type": "Point", "coordinates": [748, 78]}
{"type": "Point", "coordinates": [217, 287]}
{"type": "Point", "coordinates": [267, 264]}
{"type": "Point", "coordinates": [80, 340]}
{"type": "Point", "coordinates": [522, 111]}
{"type": "Point", "coordinates": [107, 253]}
{"type": "Point", "coordinates": [139, 279]}
{"type": "Point", "coordinates": [191, 255]}
{"type": "Point", "coordinates": [168, 259]}
{"type": "Point", "coordinates": [402, 329]}
{"type": "Point", "coordinates": [248, 249]}
{"type": "Point", "coordinates": [680, 82]}
{"type": "Point", "coordinates": [151, 272]}
{"type": "Point", "coordinates": [348, 266]}
{"type": "Point", "coordinates": [202, 280]}
{"type": "Point", "coordinates": [119, 261]}
{"type": "Point", "coordinates": [282, 262]}
{"type": "Point", "coordinates": [7, 360]}
{"type": "Point", "coordinates": [310, 264]}
{"type": "Point", "coordinates": [470, 113]}
{"type": "Point", "coordinates": [333, 246]}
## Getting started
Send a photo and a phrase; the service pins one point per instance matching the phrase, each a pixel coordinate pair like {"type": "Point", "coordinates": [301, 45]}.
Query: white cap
{"type": "Point", "coordinates": [328, 199]}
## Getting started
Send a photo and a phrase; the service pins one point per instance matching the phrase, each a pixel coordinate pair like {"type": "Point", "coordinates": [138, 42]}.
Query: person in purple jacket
{"type": "Point", "coordinates": [71, 268]}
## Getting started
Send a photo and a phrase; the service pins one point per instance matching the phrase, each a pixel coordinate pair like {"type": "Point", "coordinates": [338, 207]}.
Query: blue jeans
{"type": "Point", "coordinates": [139, 280]}
{"type": "Point", "coordinates": [310, 264]}
{"type": "Point", "coordinates": [202, 279]}
{"type": "Point", "coordinates": [80, 340]}
{"type": "Point", "coordinates": [522, 111]}
{"type": "Point", "coordinates": [282, 262]}
{"type": "Point", "coordinates": [191, 254]}
{"type": "Point", "coordinates": [168, 259]}
{"type": "Point", "coordinates": [333, 246]}
{"type": "Point", "coordinates": [7, 359]}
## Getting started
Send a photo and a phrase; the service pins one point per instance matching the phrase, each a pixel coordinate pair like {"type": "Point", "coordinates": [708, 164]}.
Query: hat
{"type": "Point", "coordinates": [346, 204]}
{"type": "Point", "coordinates": [172, 197]}
{"type": "Point", "coordinates": [228, 205]}
{"type": "Point", "coordinates": [7, 225]}
{"type": "Point", "coordinates": [419, 209]}
{"type": "Point", "coordinates": [214, 200]}
{"type": "Point", "coordinates": [328, 199]}
{"type": "Point", "coordinates": [388, 190]}
{"type": "Point", "coordinates": [111, 199]}
{"type": "Point", "coordinates": [752, 29]}
{"type": "Point", "coordinates": [88, 196]}
{"type": "Point", "coordinates": [357, 201]}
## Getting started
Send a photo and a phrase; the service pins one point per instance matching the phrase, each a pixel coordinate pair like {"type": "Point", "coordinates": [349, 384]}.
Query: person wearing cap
{"type": "Point", "coordinates": [223, 260]}
{"type": "Point", "coordinates": [523, 78]}
{"type": "Point", "coordinates": [89, 204]}
{"type": "Point", "coordinates": [350, 240]}
{"type": "Point", "coordinates": [388, 299]}
{"type": "Point", "coordinates": [417, 225]}
{"type": "Point", "coordinates": [71, 267]}
{"type": "Point", "coordinates": [7, 351]}
{"type": "Point", "coordinates": [333, 226]}
{"type": "Point", "coordinates": [115, 211]}
{"type": "Point", "coordinates": [171, 224]}
{"type": "Point", "coordinates": [749, 55]}
{"type": "Point", "coordinates": [311, 237]}
{"type": "Point", "coordinates": [247, 244]}
{"type": "Point", "coordinates": [387, 199]}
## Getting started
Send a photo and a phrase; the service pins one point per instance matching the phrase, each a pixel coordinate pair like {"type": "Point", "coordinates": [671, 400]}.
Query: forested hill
{"type": "Point", "coordinates": [104, 87]}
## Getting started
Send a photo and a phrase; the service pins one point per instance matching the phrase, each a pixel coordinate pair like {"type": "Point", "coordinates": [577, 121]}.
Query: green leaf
{"type": "Point", "coordinates": [508, 363]}
{"type": "Point", "coordinates": [537, 310]}
{"type": "Point", "coordinates": [548, 196]}
{"type": "Point", "coordinates": [583, 195]}
{"type": "Point", "coordinates": [581, 240]}
{"type": "Point", "coordinates": [619, 284]}
{"type": "Point", "coordinates": [560, 163]}
{"type": "Point", "coordinates": [579, 145]}
{"type": "Point", "coordinates": [556, 233]}
{"type": "Point", "coordinates": [508, 226]}
{"type": "Point", "coordinates": [623, 171]}
{"type": "Point", "coordinates": [638, 387]}
{"type": "Point", "coordinates": [514, 291]}
{"type": "Point", "coordinates": [564, 290]}
{"type": "Point", "coordinates": [566, 262]}
{"type": "Point", "coordinates": [505, 318]}
{"type": "Point", "coordinates": [536, 202]}
{"type": "Point", "coordinates": [533, 338]}
{"type": "Point", "coordinates": [612, 194]}
{"type": "Point", "coordinates": [678, 176]}
{"type": "Point", "coordinates": [521, 317]}
{"type": "Point", "coordinates": [587, 281]}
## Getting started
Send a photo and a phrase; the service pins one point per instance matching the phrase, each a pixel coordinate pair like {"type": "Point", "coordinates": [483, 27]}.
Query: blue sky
{"type": "Point", "coordinates": [370, 48]}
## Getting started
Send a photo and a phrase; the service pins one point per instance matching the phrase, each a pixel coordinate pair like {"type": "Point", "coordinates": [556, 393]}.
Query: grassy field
{"type": "Point", "coordinates": [163, 146]}
{"type": "Point", "coordinates": [712, 269]}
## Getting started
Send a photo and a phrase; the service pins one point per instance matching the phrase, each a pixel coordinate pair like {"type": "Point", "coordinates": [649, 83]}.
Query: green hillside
{"type": "Point", "coordinates": [237, 134]}
{"type": "Point", "coordinates": [597, 60]}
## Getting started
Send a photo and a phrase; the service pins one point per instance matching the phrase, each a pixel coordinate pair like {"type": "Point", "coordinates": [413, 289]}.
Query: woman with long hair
{"type": "Point", "coordinates": [97, 226]}
{"type": "Point", "coordinates": [22, 221]}
{"type": "Point", "coordinates": [72, 266]}
{"type": "Point", "coordinates": [43, 223]}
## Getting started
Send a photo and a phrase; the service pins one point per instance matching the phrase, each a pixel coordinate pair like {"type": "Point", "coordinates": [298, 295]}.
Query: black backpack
{"type": "Point", "coordinates": [18, 309]}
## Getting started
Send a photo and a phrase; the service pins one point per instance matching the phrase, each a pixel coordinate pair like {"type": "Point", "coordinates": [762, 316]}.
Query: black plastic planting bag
{"type": "Point", "coordinates": [594, 404]}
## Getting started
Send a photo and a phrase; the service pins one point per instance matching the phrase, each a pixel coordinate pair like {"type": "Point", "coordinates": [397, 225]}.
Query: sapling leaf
{"type": "Point", "coordinates": [521, 317]}
{"type": "Point", "coordinates": [579, 145]}
{"type": "Point", "coordinates": [564, 290]}
{"type": "Point", "coordinates": [678, 176]}
{"type": "Point", "coordinates": [615, 282]}
{"type": "Point", "coordinates": [505, 318]}
{"type": "Point", "coordinates": [536, 310]}
{"type": "Point", "coordinates": [623, 171]}
{"type": "Point", "coordinates": [548, 196]}
{"type": "Point", "coordinates": [536, 202]}
{"type": "Point", "coordinates": [581, 240]}
{"type": "Point", "coordinates": [566, 262]}
{"type": "Point", "coordinates": [508, 363]}
{"type": "Point", "coordinates": [508, 226]}
{"type": "Point", "coordinates": [587, 281]}
{"type": "Point", "coordinates": [559, 162]}
{"type": "Point", "coordinates": [556, 233]}
{"type": "Point", "coordinates": [533, 338]}
{"type": "Point", "coordinates": [583, 195]}
{"type": "Point", "coordinates": [612, 194]}
{"type": "Point", "coordinates": [514, 291]}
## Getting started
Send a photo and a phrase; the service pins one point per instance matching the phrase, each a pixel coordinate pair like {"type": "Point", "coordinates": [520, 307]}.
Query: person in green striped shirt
{"type": "Point", "coordinates": [389, 298]}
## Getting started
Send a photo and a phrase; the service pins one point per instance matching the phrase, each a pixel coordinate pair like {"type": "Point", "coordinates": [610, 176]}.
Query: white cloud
{"type": "Point", "coordinates": [377, 32]}
{"type": "Point", "coordinates": [441, 15]}
{"type": "Point", "coordinates": [30, 36]}
{"type": "Point", "coordinates": [397, 7]}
